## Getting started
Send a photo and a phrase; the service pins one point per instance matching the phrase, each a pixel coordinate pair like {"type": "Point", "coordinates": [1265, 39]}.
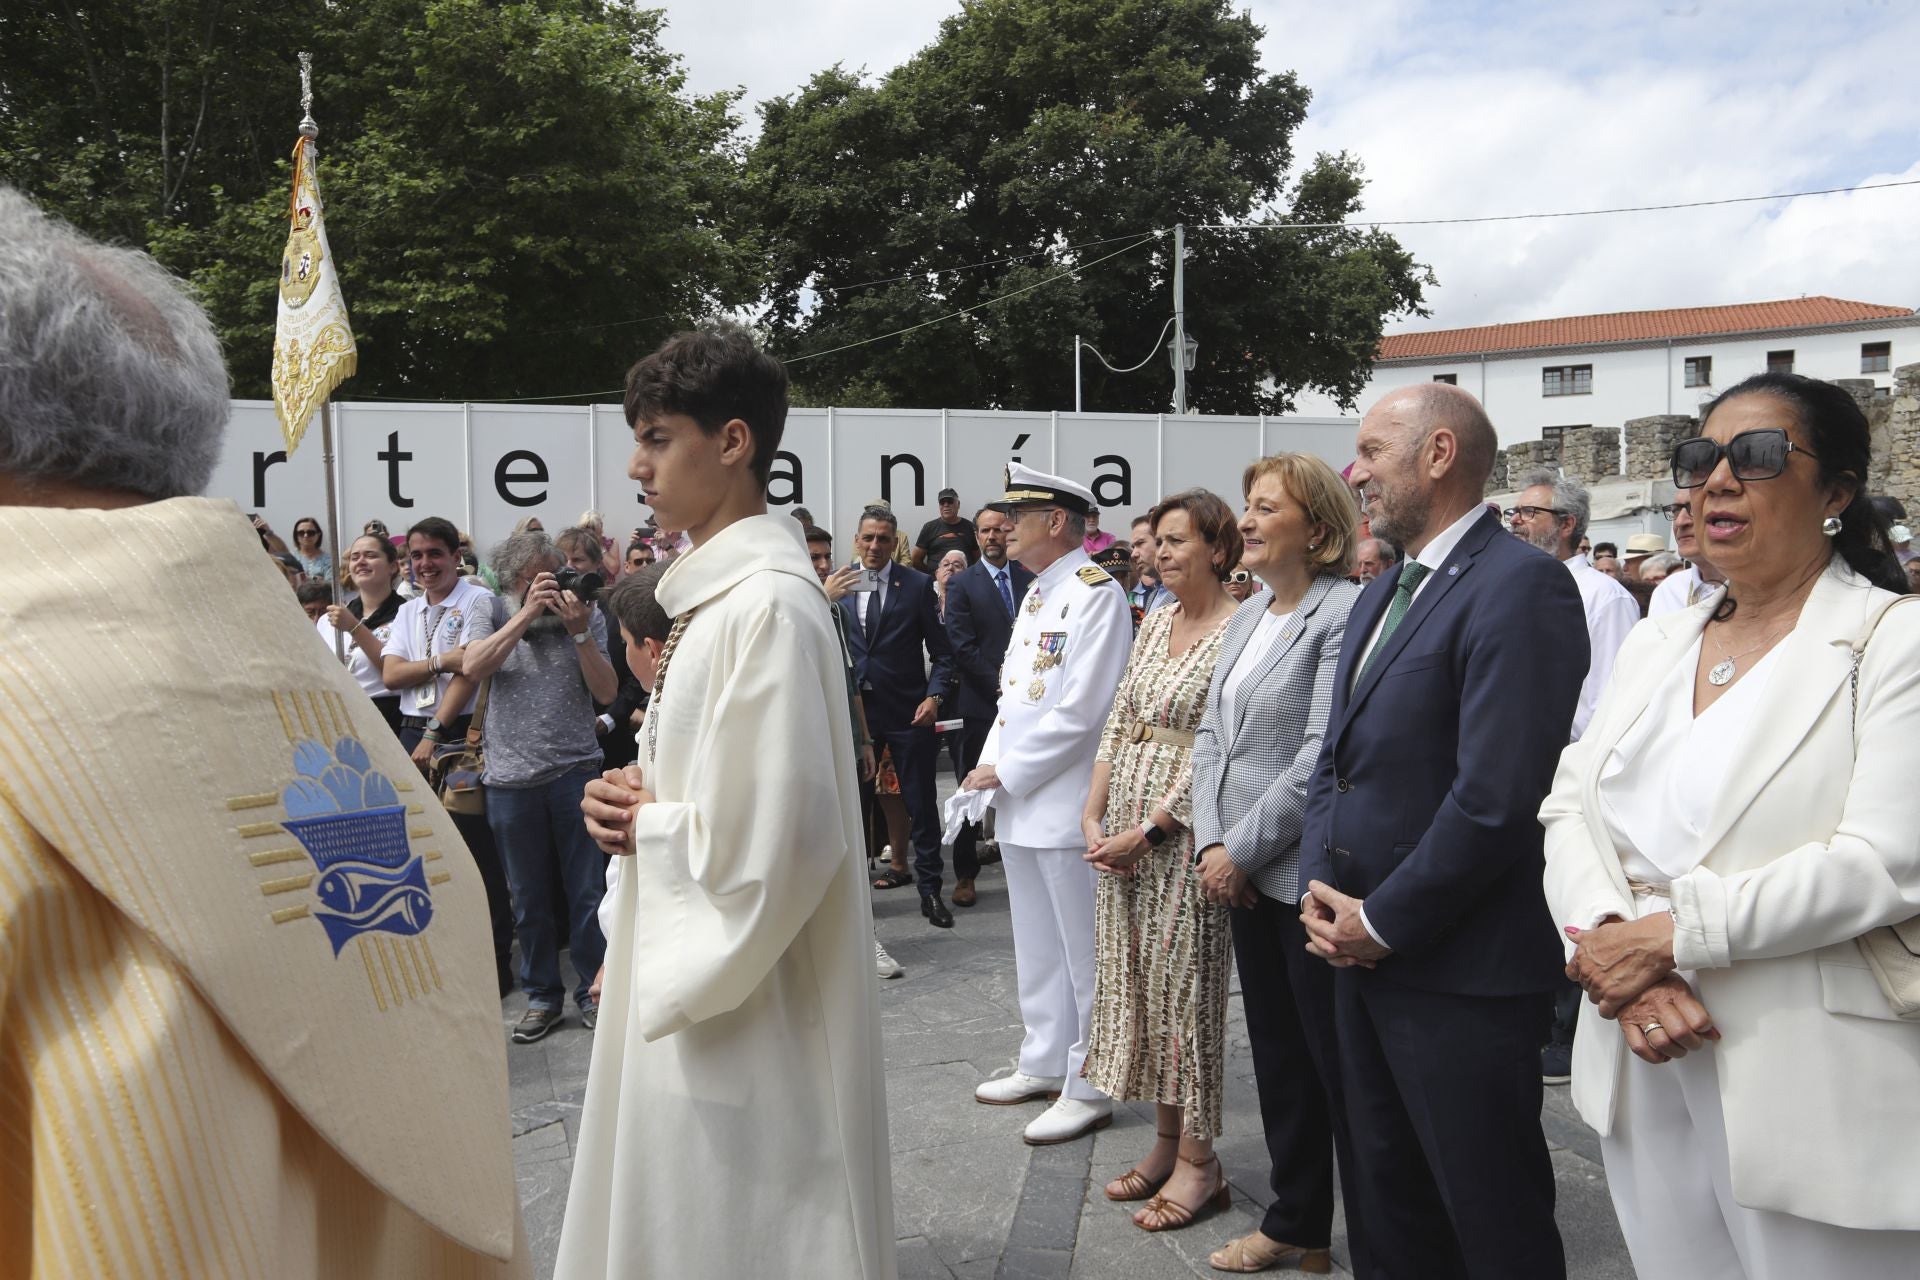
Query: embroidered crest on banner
{"type": "Point", "coordinates": [349, 819]}
{"type": "Point", "coordinates": [366, 886]}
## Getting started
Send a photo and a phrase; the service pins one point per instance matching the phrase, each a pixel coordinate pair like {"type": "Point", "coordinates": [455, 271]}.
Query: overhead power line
{"type": "Point", "coordinates": [1148, 238]}
{"type": "Point", "coordinates": [1560, 213]}
{"type": "Point", "coordinates": [1144, 237]}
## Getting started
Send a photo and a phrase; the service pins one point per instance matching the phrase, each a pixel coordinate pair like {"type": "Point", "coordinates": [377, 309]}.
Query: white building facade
{"type": "Point", "coordinates": [1539, 378]}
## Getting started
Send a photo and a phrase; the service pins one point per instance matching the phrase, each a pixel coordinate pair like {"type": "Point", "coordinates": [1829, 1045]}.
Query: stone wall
{"type": "Point", "coordinates": [1650, 443]}
{"type": "Point", "coordinates": [1897, 422]}
{"type": "Point", "coordinates": [1591, 454]}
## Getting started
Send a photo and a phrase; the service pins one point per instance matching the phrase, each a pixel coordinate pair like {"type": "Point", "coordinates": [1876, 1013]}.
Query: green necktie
{"type": "Point", "coordinates": [1411, 575]}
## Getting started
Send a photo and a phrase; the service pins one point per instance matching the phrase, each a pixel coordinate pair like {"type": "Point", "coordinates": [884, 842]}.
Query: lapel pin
{"type": "Point", "coordinates": [1453, 571]}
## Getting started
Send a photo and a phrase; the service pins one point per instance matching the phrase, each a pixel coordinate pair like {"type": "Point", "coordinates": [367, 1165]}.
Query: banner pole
{"type": "Point", "coordinates": [333, 520]}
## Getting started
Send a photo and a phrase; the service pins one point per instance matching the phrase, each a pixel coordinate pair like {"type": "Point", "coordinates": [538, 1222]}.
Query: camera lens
{"type": "Point", "coordinates": [584, 585]}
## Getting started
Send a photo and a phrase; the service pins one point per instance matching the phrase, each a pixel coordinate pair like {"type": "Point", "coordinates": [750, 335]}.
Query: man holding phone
{"type": "Point", "coordinates": [893, 618]}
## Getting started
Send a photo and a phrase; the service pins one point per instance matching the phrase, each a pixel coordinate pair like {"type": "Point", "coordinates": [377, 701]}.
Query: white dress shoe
{"type": "Point", "coordinates": [1018, 1087]}
{"type": "Point", "coordinates": [1068, 1119]}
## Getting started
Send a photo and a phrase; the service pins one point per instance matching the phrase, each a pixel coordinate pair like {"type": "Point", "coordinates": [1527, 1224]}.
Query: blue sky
{"type": "Point", "coordinates": [1462, 109]}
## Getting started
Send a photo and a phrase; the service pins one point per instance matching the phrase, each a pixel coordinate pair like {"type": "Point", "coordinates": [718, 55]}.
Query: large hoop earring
{"type": "Point", "coordinates": [1831, 526]}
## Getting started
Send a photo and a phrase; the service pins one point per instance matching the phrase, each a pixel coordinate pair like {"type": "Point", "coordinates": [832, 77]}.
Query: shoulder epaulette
{"type": "Point", "coordinates": [1093, 575]}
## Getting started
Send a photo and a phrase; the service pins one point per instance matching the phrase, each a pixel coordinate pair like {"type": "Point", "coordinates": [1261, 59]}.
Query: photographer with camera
{"type": "Point", "coordinates": [618, 721]}
{"type": "Point", "coordinates": [547, 657]}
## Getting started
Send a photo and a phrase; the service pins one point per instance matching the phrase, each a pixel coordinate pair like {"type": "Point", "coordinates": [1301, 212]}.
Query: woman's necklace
{"type": "Point", "coordinates": [1722, 672]}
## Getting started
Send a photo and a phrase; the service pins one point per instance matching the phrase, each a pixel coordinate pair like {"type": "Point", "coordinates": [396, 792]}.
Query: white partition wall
{"type": "Point", "coordinates": [486, 467]}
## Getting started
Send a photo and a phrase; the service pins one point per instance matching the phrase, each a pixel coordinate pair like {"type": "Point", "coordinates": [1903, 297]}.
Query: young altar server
{"type": "Point", "coordinates": [735, 1120]}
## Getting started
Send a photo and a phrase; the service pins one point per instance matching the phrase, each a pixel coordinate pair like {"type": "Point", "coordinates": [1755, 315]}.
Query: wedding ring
{"type": "Point", "coordinates": [1650, 1028]}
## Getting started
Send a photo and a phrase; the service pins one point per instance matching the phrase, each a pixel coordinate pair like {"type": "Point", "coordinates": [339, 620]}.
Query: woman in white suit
{"type": "Point", "coordinates": [1739, 813]}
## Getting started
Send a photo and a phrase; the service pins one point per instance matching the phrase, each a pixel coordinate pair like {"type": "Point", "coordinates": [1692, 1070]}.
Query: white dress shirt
{"type": "Point", "coordinates": [874, 599]}
{"type": "Point", "coordinates": [1661, 779]}
{"type": "Point", "coordinates": [1611, 613]}
{"type": "Point", "coordinates": [1265, 633]}
{"type": "Point", "coordinates": [1681, 589]}
{"type": "Point", "coordinates": [1434, 556]}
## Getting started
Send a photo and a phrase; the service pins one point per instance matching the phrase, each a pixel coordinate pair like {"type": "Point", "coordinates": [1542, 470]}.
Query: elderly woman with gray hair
{"type": "Point", "coordinates": [547, 659]}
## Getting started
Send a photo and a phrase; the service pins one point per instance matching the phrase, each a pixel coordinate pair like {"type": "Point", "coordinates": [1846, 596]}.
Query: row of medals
{"type": "Point", "coordinates": [1043, 661]}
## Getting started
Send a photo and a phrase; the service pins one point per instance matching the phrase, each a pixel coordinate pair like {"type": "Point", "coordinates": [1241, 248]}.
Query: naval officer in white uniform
{"type": "Point", "coordinates": [1069, 646]}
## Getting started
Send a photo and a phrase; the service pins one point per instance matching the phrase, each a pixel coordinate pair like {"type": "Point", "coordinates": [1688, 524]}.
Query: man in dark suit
{"type": "Point", "coordinates": [890, 628]}
{"type": "Point", "coordinates": [1421, 851]}
{"type": "Point", "coordinates": [981, 602]}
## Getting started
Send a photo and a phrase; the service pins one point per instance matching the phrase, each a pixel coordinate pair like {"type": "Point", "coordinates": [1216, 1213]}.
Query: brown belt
{"type": "Point", "coordinates": [1144, 732]}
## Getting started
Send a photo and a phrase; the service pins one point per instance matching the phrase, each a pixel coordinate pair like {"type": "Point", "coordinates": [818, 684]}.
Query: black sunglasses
{"type": "Point", "coordinates": [1754, 455]}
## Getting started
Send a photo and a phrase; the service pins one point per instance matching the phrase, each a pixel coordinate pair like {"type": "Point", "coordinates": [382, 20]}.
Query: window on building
{"type": "Point", "coordinates": [1699, 371]}
{"type": "Point", "coordinates": [1566, 380]}
{"type": "Point", "coordinates": [1451, 379]}
{"type": "Point", "coordinates": [1883, 393]}
{"type": "Point", "coordinates": [1779, 362]}
{"type": "Point", "coordinates": [1551, 435]}
{"type": "Point", "coordinates": [1875, 357]}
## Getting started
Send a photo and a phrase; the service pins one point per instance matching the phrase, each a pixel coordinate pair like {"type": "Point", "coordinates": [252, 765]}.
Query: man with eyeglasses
{"type": "Point", "coordinates": [1684, 588]}
{"type": "Point", "coordinates": [1552, 514]}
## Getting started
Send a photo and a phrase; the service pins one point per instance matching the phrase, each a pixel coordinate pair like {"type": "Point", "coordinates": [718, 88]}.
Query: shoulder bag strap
{"type": "Point", "coordinates": [1860, 651]}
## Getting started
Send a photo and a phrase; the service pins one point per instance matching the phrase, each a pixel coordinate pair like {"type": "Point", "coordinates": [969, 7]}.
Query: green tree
{"type": "Point", "coordinates": [1030, 127]}
{"type": "Point", "coordinates": [521, 197]}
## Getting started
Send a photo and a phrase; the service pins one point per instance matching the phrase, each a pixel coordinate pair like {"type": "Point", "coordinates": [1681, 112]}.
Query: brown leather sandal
{"type": "Point", "coordinates": [1135, 1185]}
{"type": "Point", "coordinates": [1171, 1215]}
{"type": "Point", "coordinates": [1258, 1252]}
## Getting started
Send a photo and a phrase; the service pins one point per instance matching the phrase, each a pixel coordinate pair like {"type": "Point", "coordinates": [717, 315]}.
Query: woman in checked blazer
{"type": "Point", "coordinates": [1253, 754]}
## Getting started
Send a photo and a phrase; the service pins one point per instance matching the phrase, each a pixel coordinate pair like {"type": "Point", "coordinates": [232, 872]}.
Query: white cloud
{"type": "Point", "coordinates": [1463, 108]}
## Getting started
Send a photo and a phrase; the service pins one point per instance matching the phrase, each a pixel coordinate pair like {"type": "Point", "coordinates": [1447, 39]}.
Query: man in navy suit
{"type": "Point", "coordinates": [1422, 854]}
{"type": "Point", "coordinates": [890, 628]}
{"type": "Point", "coordinates": [981, 603]}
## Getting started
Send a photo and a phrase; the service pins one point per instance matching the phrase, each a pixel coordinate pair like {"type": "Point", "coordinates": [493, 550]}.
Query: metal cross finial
{"type": "Point", "coordinates": [308, 129]}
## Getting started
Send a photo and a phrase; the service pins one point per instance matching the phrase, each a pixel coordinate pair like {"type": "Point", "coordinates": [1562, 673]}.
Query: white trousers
{"type": "Point", "coordinates": [1050, 895]}
{"type": "Point", "coordinates": [1669, 1174]}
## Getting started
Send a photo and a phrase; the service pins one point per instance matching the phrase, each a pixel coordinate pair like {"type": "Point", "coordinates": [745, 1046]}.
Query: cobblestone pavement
{"type": "Point", "coordinates": [970, 1199]}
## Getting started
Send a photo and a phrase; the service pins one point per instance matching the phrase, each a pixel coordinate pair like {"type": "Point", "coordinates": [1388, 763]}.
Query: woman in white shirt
{"type": "Point", "coordinates": [1735, 817]}
{"type": "Point", "coordinates": [366, 622]}
{"type": "Point", "coordinates": [1252, 757]}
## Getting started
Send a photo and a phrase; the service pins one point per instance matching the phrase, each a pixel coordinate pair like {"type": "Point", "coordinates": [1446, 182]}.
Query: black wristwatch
{"type": "Point", "coordinates": [1154, 833]}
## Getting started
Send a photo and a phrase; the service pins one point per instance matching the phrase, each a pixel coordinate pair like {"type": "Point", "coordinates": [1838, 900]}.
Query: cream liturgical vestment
{"type": "Point", "coordinates": [248, 1025]}
{"type": "Point", "coordinates": [735, 1121]}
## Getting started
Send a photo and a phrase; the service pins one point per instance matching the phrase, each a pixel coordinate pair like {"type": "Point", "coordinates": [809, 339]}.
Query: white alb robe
{"type": "Point", "coordinates": [735, 1120]}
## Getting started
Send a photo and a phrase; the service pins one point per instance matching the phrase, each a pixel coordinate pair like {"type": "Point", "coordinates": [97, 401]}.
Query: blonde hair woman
{"type": "Point", "coordinates": [1252, 757]}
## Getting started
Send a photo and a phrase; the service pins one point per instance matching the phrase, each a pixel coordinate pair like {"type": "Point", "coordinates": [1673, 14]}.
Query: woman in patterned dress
{"type": "Point", "coordinates": [1160, 986]}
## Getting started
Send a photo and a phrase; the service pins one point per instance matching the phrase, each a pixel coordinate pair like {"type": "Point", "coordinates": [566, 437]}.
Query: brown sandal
{"type": "Point", "coordinates": [1171, 1215]}
{"type": "Point", "coordinates": [1257, 1252]}
{"type": "Point", "coordinates": [1135, 1185]}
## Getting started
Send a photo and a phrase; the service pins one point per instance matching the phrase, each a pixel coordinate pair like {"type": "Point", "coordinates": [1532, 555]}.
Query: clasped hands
{"type": "Point", "coordinates": [1626, 969]}
{"type": "Point", "coordinates": [1117, 854]}
{"type": "Point", "coordinates": [1335, 931]}
{"type": "Point", "coordinates": [609, 805]}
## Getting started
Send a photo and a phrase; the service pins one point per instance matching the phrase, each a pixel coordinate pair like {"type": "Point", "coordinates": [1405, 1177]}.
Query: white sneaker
{"type": "Point", "coordinates": [1068, 1119]}
{"type": "Point", "coordinates": [883, 964]}
{"type": "Point", "coordinates": [1018, 1087]}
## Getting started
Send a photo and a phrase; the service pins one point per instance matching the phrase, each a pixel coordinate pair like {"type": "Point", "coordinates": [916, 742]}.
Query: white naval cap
{"type": "Point", "coordinates": [1025, 485]}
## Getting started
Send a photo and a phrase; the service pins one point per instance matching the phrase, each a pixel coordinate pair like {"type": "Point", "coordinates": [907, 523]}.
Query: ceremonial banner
{"type": "Point", "coordinates": [313, 349]}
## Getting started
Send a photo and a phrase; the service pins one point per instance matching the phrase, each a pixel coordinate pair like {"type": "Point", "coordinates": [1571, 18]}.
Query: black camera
{"type": "Point", "coordinates": [584, 585]}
